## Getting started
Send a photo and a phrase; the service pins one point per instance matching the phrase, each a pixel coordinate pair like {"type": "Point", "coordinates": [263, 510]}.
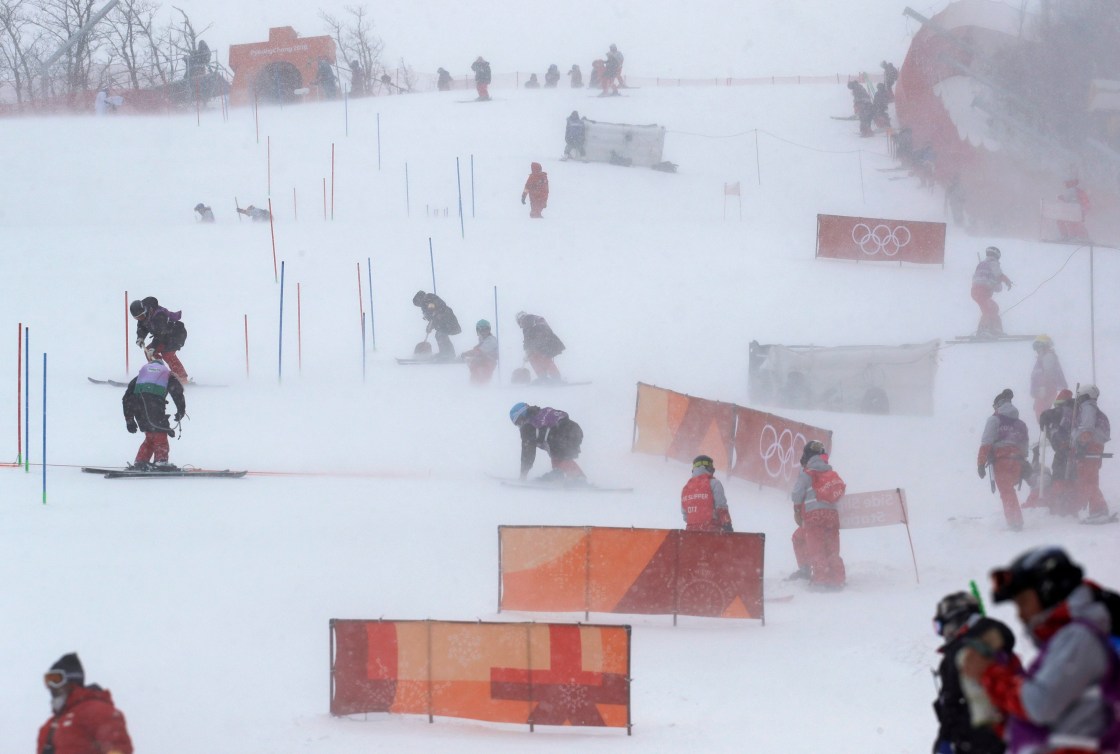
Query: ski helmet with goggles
{"type": "Point", "coordinates": [136, 308]}
{"type": "Point", "coordinates": [1047, 570]}
{"type": "Point", "coordinates": [953, 612]}
{"type": "Point", "coordinates": [67, 669]}
{"type": "Point", "coordinates": [704, 462]}
{"type": "Point", "coordinates": [992, 252]}
{"type": "Point", "coordinates": [812, 448]}
{"type": "Point", "coordinates": [482, 324]}
{"type": "Point", "coordinates": [518, 412]}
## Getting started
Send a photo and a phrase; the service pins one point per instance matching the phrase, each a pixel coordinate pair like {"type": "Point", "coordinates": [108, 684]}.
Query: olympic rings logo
{"type": "Point", "coordinates": [881, 239]}
{"type": "Point", "coordinates": [780, 452]}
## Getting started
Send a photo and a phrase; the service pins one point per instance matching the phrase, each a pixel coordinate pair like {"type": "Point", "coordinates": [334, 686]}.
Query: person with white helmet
{"type": "Point", "coordinates": [1091, 430]}
{"type": "Point", "coordinates": [1047, 377]}
{"type": "Point", "coordinates": [987, 280]}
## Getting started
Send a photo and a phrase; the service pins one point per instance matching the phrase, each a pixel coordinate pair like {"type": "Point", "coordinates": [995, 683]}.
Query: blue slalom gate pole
{"type": "Point", "coordinates": [472, 186]}
{"type": "Point", "coordinates": [27, 400]}
{"type": "Point", "coordinates": [459, 186]}
{"type": "Point", "coordinates": [280, 348]}
{"type": "Point", "coordinates": [432, 261]}
{"type": "Point", "coordinates": [44, 429]}
{"type": "Point", "coordinates": [372, 331]}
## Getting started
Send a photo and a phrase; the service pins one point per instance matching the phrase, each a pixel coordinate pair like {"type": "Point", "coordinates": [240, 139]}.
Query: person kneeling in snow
{"type": "Point", "coordinates": [483, 358]}
{"type": "Point", "coordinates": [551, 430]}
{"type": "Point", "coordinates": [144, 404]}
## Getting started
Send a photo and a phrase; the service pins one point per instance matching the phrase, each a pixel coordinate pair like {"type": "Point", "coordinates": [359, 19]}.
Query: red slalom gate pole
{"type": "Point", "coordinates": [272, 227]}
{"type": "Point", "coordinates": [299, 329]}
{"type": "Point", "coordinates": [19, 396]}
{"type": "Point", "coordinates": [268, 159]}
{"type": "Point", "coordinates": [246, 345]}
{"type": "Point", "coordinates": [332, 181]}
{"type": "Point", "coordinates": [126, 313]}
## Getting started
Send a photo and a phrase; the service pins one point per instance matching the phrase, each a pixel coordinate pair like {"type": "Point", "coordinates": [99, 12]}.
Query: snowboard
{"type": "Point", "coordinates": [178, 473]}
{"type": "Point", "coordinates": [992, 338]}
{"type": "Point", "coordinates": [550, 486]}
{"type": "Point", "coordinates": [412, 361]}
{"type": "Point", "coordinates": [1109, 519]}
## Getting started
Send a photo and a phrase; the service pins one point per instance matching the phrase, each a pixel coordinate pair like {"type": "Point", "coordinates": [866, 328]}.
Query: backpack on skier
{"type": "Point", "coordinates": [828, 486]}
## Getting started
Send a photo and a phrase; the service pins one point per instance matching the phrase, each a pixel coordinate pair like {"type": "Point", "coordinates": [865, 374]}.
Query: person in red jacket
{"type": "Point", "coordinates": [1074, 230]}
{"type": "Point", "coordinates": [703, 501]}
{"type": "Point", "coordinates": [1003, 450]}
{"type": "Point", "coordinates": [816, 541]}
{"type": "Point", "coordinates": [83, 719]}
{"type": "Point", "coordinates": [536, 189]}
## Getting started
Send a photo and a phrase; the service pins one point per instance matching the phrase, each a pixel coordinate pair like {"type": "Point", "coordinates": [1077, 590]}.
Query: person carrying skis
{"type": "Point", "coordinates": [536, 189]}
{"type": "Point", "coordinates": [960, 621]}
{"type": "Point", "coordinates": [168, 332]}
{"type": "Point", "coordinates": [816, 542]}
{"type": "Point", "coordinates": [1062, 703]}
{"type": "Point", "coordinates": [205, 214]}
{"type": "Point", "coordinates": [575, 133]}
{"type": "Point", "coordinates": [1003, 451]}
{"type": "Point", "coordinates": [83, 718]}
{"type": "Point", "coordinates": [441, 319]}
{"type": "Point", "coordinates": [703, 501]}
{"type": "Point", "coordinates": [550, 430]}
{"type": "Point", "coordinates": [481, 70]}
{"type": "Point", "coordinates": [144, 404]}
{"type": "Point", "coordinates": [1047, 377]}
{"type": "Point", "coordinates": [483, 358]}
{"type": "Point", "coordinates": [541, 345]}
{"type": "Point", "coordinates": [1091, 430]}
{"type": "Point", "coordinates": [987, 280]}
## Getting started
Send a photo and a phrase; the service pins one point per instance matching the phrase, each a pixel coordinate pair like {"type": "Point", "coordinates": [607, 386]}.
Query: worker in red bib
{"type": "Point", "coordinates": [703, 501]}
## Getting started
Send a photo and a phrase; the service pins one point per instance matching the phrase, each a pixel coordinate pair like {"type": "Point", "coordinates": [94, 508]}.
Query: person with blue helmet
{"type": "Point", "coordinates": [550, 430]}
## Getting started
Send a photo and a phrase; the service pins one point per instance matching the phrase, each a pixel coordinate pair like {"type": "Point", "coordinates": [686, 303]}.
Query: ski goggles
{"type": "Point", "coordinates": [54, 679]}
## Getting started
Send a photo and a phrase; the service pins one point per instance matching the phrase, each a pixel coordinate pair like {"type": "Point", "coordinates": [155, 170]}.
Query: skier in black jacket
{"type": "Point", "coordinates": [441, 319]}
{"type": "Point", "coordinates": [168, 332]}
{"type": "Point", "coordinates": [967, 721]}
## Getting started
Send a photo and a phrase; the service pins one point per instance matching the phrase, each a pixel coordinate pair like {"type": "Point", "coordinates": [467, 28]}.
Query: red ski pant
{"type": "Point", "coordinates": [1072, 230]}
{"type": "Point", "coordinates": [989, 310]}
{"type": "Point", "coordinates": [481, 370]}
{"type": "Point", "coordinates": [483, 90]}
{"type": "Point", "coordinates": [535, 207]}
{"type": "Point", "coordinates": [155, 444]}
{"type": "Point", "coordinates": [816, 544]}
{"type": "Point", "coordinates": [569, 466]}
{"type": "Point", "coordinates": [1087, 489]}
{"type": "Point", "coordinates": [1008, 471]}
{"type": "Point", "coordinates": [544, 366]}
{"type": "Point", "coordinates": [172, 361]}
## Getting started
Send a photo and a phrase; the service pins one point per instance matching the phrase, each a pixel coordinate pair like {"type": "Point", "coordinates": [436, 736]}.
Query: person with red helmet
{"type": "Point", "coordinates": [84, 719]}
{"type": "Point", "coordinates": [703, 501]}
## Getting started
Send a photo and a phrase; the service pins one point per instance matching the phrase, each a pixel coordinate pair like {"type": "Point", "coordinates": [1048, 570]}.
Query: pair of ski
{"type": "Point", "coordinates": [118, 383]}
{"type": "Point", "coordinates": [125, 473]}
{"type": "Point", "coordinates": [559, 485]}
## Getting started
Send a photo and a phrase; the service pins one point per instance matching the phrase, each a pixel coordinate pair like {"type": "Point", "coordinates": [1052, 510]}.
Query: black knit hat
{"type": "Point", "coordinates": [1003, 397]}
{"type": "Point", "coordinates": [72, 667]}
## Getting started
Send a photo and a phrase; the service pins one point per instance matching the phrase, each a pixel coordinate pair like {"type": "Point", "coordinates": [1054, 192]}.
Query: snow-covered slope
{"type": "Point", "coordinates": [204, 606]}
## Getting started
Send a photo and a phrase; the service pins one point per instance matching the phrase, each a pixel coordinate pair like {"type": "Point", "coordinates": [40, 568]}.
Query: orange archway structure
{"type": "Point", "coordinates": [280, 69]}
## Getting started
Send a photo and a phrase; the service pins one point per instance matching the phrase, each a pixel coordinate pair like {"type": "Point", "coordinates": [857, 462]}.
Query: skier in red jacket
{"type": "Point", "coordinates": [84, 720]}
{"type": "Point", "coordinates": [536, 189]}
{"type": "Point", "coordinates": [703, 501]}
{"type": "Point", "coordinates": [816, 542]}
{"type": "Point", "coordinates": [1003, 450]}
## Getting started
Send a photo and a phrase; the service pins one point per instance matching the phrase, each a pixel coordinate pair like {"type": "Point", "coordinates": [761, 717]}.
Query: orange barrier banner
{"type": "Point", "coordinates": [635, 571]}
{"type": "Point", "coordinates": [874, 239]}
{"type": "Point", "coordinates": [768, 447]}
{"type": "Point", "coordinates": [681, 426]}
{"type": "Point", "coordinates": [862, 510]}
{"type": "Point", "coordinates": [525, 673]}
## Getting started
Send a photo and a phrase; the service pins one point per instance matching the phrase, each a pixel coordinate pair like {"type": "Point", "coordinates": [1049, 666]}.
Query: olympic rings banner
{"type": "Point", "coordinates": [873, 239]}
{"type": "Point", "coordinates": [648, 571]}
{"type": "Point", "coordinates": [768, 447]}
{"type": "Point", "coordinates": [527, 673]}
{"type": "Point", "coordinates": [680, 426]}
